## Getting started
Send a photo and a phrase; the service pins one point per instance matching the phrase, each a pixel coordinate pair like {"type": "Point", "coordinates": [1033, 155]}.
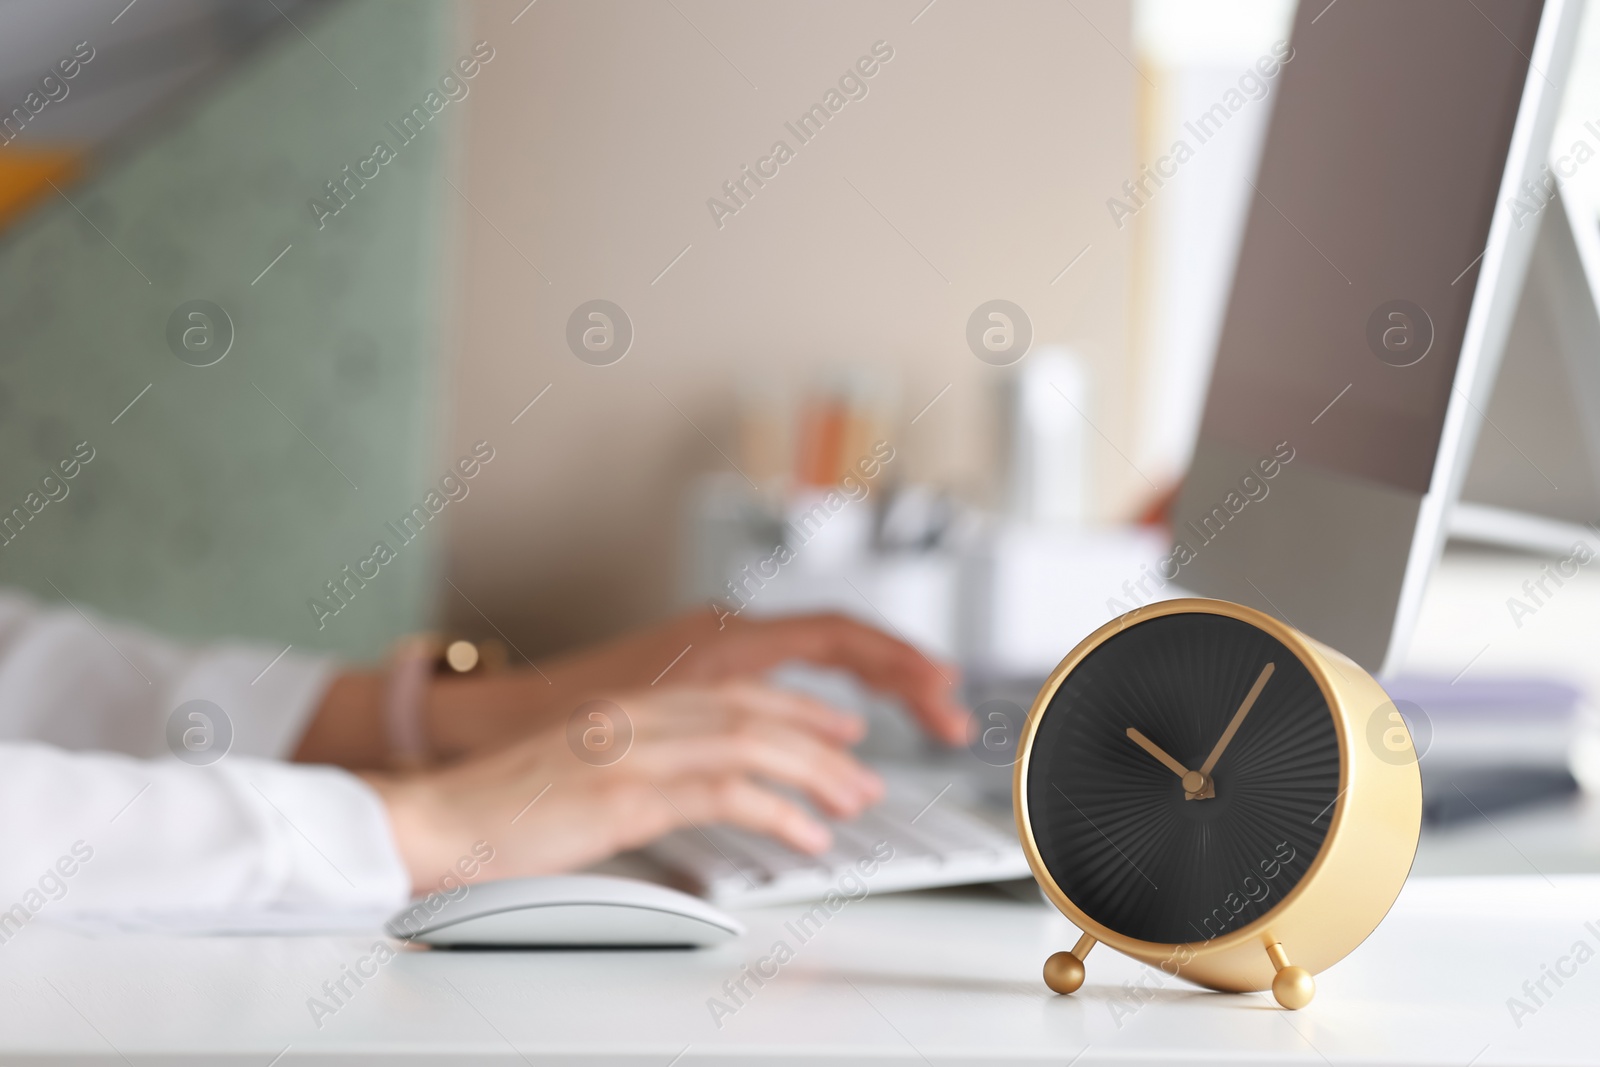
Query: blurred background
{"type": "Point", "coordinates": [284, 265]}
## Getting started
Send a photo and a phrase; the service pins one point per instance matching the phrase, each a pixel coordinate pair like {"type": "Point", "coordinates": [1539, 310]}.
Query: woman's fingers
{"type": "Point", "coordinates": [738, 801]}
{"type": "Point", "coordinates": [882, 661]}
{"type": "Point", "coordinates": [692, 711]}
{"type": "Point", "coordinates": [829, 776]}
{"type": "Point", "coordinates": [797, 709]}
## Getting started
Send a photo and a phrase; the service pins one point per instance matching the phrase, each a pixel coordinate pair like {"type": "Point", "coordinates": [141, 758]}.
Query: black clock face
{"type": "Point", "coordinates": [1182, 858]}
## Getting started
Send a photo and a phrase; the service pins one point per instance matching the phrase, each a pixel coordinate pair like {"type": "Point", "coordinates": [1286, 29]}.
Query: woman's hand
{"type": "Point", "coordinates": [474, 714]}
{"type": "Point", "coordinates": [470, 714]}
{"type": "Point", "coordinates": [697, 756]}
{"type": "Point", "coordinates": [718, 647]}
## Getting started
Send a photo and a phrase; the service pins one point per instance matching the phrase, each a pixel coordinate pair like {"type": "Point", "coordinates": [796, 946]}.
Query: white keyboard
{"type": "Point", "coordinates": [935, 844]}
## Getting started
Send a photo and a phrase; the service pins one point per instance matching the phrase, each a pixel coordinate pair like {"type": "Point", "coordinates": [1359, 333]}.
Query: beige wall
{"type": "Point", "coordinates": [990, 141]}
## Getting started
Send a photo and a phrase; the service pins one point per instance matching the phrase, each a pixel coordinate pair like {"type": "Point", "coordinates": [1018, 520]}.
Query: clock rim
{"type": "Point", "coordinates": [1298, 644]}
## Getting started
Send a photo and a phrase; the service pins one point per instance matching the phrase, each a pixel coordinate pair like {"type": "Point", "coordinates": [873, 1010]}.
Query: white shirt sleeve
{"type": "Point", "coordinates": [89, 781]}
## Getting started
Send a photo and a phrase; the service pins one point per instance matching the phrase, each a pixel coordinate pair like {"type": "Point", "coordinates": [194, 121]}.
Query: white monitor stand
{"type": "Point", "coordinates": [1533, 482]}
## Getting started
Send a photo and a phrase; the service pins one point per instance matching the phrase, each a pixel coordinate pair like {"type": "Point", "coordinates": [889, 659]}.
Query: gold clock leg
{"type": "Point", "coordinates": [1063, 971]}
{"type": "Point", "coordinates": [1293, 987]}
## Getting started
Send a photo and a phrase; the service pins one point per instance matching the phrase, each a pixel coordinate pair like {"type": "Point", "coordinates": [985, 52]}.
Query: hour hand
{"type": "Point", "coordinates": [1158, 752]}
{"type": "Point", "coordinates": [1196, 786]}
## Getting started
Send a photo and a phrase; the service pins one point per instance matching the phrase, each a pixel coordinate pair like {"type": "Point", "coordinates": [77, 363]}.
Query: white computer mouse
{"type": "Point", "coordinates": [568, 911]}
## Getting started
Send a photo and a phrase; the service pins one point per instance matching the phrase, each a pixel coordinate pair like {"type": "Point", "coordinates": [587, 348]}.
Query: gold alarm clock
{"type": "Point", "coordinates": [1214, 793]}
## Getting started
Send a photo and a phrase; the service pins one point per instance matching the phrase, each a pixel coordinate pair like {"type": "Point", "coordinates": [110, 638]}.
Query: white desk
{"type": "Point", "coordinates": [941, 978]}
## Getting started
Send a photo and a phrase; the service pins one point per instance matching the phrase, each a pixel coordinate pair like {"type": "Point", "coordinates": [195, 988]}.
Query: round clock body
{"type": "Point", "coordinates": [1199, 783]}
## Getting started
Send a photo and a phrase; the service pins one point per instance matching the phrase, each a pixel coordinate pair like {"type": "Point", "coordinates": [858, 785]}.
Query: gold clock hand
{"type": "Point", "coordinates": [1238, 717]}
{"type": "Point", "coordinates": [1158, 752]}
{"type": "Point", "coordinates": [1195, 784]}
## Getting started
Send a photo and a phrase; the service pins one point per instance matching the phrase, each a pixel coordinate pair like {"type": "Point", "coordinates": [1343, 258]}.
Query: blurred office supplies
{"type": "Point", "coordinates": [1032, 591]}
{"type": "Point", "coordinates": [917, 518]}
{"type": "Point", "coordinates": [1049, 449]}
{"type": "Point", "coordinates": [1492, 745]}
{"type": "Point", "coordinates": [1527, 722]}
{"type": "Point", "coordinates": [838, 422]}
{"type": "Point", "coordinates": [1473, 793]}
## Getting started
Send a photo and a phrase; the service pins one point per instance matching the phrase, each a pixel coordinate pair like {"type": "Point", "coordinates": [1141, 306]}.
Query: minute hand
{"type": "Point", "coordinates": [1238, 717]}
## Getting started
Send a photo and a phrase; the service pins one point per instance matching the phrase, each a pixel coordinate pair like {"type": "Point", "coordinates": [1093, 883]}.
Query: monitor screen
{"type": "Point", "coordinates": [1379, 179]}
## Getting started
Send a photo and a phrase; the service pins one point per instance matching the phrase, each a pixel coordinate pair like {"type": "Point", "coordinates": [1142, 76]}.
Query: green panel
{"type": "Point", "coordinates": [205, 512]}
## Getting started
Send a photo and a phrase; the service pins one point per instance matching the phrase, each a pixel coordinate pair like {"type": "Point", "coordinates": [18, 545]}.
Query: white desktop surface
{"type": "Point", "coordinates": [947, 977]}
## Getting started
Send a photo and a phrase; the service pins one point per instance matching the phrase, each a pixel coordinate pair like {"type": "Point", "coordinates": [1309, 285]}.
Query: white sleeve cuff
{"type": "Point", "coordinates": [240, 834]}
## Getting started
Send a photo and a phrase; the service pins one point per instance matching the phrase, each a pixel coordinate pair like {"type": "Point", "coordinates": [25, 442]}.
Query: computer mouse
{"type": "Point", "coordinates": [565, 911]}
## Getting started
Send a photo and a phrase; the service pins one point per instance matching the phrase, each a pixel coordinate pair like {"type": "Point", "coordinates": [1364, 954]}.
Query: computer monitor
{"type": "Point", "coordinates": [1377, 280]}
